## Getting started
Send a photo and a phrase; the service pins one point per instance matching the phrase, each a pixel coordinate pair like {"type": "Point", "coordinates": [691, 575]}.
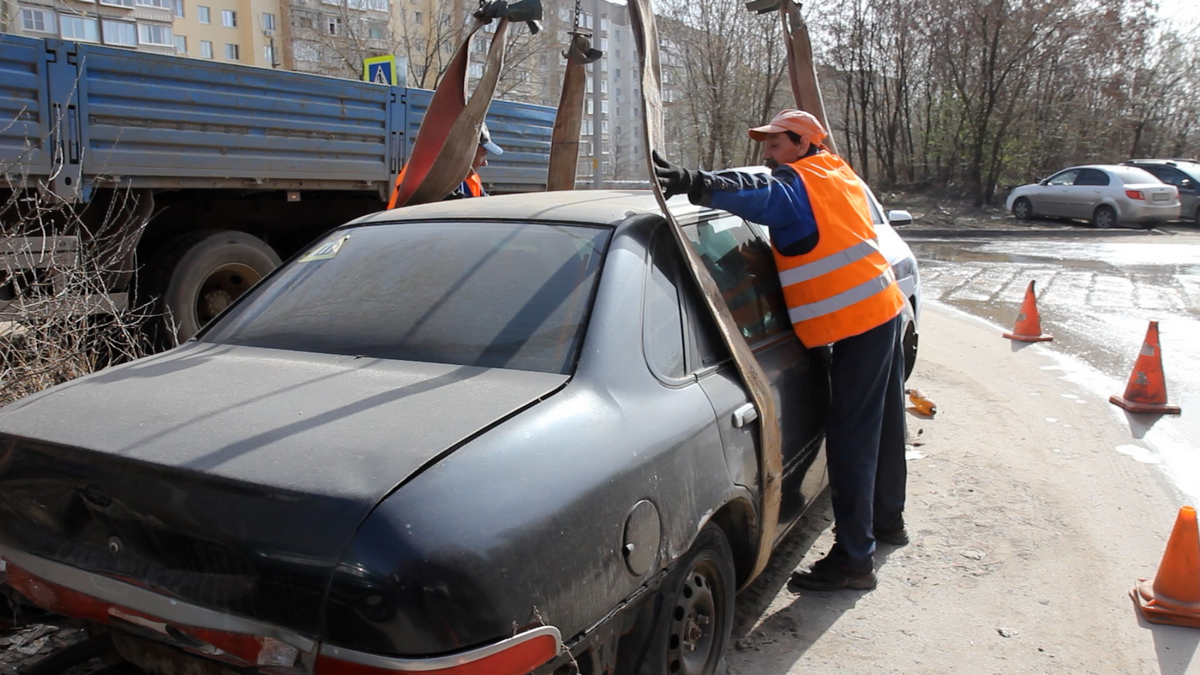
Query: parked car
{"type": "Point", "coordinates": [1106, 195]}
{"type": "Point", "coordinates": [483, 436]}
{"type": "Point", "coordinates": [1184, 174]}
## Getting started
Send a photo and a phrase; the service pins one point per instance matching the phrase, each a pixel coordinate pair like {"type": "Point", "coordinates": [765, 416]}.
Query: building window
{"type": "Point", "coordinates": [161, 4]}
{"type": "Point", "coordinates": [38, 20]}
{"type": "Point", "coordinates": [475, 70]}
{"type": "Point", "coordinates": [335, 25]}
{"type": "Point", "coordinates": [268, 21]}
{"type": "Point", "coordinates": [604, 126]}
{"type": "Point", "coordinates": [604, 107]}
{"type": "Point", "coordinates": [231, 52]}
{"type": "Point", "coordinates": [229, 18]}
{"type": "Point", "coordinates": [377, 31]}
{"type": "Point", "coordinates": [603, 23]}
{"type": "Point", "coordinates": [80, 28]}
{"type": "Point", "coordinates": [604, 44]}
{"type": "Point", "coordinates": [180, 44]}
{"type": "Point", "coordinates": [591, 106]}
{"type": "Point", "coordinates": [151, 34]}
{"type": "Point", "coordinates": [117, 3]}
{"type": "Point", "coordinates": [122, 33]}
{"type": "Point", "coordinates": [590, 87]}
{"type": "Point", "coordinates": [206, 49]}
{"type": "Point", "coordinates": [203, 15]}
{"type": "Point", "coordinates": [269, 55]}
{"type": "Point", "coordinates": [179, 9]}
{"type": "Point", "coordinates": [418, 18]}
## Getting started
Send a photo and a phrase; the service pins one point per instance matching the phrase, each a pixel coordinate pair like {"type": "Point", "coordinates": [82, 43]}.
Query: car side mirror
{"type": "Point", "coordinates": [899, 217]}
{"type": "Point", "coordinates": [1187, 184]}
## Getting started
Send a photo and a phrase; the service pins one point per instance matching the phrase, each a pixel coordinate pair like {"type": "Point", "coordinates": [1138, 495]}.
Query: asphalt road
{"type": "Point", "coordinates": [1096, 295]}
{"type": "Point", "coordinates": [1033, 508]}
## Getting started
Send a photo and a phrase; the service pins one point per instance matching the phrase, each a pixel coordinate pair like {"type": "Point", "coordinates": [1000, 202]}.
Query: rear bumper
{"type": "Point", "coordinates": [1143, 212]}
{"type": "Point", "coordinates": [215, 635]}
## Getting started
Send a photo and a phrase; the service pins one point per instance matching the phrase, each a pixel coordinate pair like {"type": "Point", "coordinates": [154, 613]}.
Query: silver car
{"type": "Point", "coordinates": [1107, 195]}
{"type": "Point", "coordinates": [1184, 174]}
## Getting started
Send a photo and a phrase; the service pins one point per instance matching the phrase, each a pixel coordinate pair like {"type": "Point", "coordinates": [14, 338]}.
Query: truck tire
{"type": "Point", "coordinates": [197, 275]}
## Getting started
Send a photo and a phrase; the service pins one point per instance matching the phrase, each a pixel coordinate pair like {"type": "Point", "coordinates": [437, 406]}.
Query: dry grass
{"type": "Point", "coordinates": [56, 320]}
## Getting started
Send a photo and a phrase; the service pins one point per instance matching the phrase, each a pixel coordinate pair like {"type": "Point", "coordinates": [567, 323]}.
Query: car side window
{"type": "Point", "coordinates": [1167, 175]}
{"type": "Point", "coordinates": [1092, 177]}
{"type": "Point", "coordinates": [662, 323]}
{"type": "Point", "coordinates": [1064, 178]}
{"type": "Point", "coordinates": [743, 267]}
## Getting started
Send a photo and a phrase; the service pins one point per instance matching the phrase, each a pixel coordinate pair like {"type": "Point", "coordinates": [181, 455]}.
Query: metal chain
{"type": "Point", "coordinates": [578, 12]}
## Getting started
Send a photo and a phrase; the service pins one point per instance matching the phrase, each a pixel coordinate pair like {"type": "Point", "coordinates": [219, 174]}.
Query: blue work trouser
{"type": "Point", "coordinates": [864, 437]}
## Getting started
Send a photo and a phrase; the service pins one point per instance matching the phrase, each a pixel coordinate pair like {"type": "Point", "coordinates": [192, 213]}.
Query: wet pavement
{"type": "Point", "coordinates": [1097, 292]}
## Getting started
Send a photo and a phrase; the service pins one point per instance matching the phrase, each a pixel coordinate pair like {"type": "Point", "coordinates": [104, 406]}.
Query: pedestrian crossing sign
{"type": "Point", "coordinates": [380, 70]}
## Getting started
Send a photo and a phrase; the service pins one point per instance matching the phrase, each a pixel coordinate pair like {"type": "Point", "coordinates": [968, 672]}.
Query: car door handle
{"type": "Point", "coordinates": [744, 415]}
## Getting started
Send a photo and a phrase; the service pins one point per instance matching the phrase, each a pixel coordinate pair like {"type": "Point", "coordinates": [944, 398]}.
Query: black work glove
{"type": "Point", "coordinates": [673, 179]}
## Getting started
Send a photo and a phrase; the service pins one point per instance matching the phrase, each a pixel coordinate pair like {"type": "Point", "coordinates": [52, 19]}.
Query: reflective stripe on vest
{"type": "Point", "coordinates": [844, 286]}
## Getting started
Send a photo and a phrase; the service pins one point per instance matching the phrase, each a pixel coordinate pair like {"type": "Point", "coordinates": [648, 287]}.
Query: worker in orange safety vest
{"type": "Point", "coordinates": [840, 291]}
{"type": "Point", "coordinates": [472, 185]}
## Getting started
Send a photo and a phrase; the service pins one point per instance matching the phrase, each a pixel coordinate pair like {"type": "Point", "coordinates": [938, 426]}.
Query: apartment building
{"type": "Point", "coordinates": [134, 24]}
{"type": "Point", "coordinates": [232, 31]}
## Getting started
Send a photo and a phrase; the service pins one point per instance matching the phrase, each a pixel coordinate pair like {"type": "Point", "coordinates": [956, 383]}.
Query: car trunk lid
{"type": "Point", "coordinates": [236, 480]}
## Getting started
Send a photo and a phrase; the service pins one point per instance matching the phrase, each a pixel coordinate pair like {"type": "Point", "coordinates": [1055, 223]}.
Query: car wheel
{"type": "Point", "coordinates": [694, 626]}
{"type": "Point", "coordinates": [198, 275]}
{"type": "Point", "coordinates": [1104, 217]}
{"type": "Point", "coordinates": [908, 341]}
{"type": "Point", "coordinates": [1196, 215]}
{"type": "Point", "coordinates": [1022, 209]}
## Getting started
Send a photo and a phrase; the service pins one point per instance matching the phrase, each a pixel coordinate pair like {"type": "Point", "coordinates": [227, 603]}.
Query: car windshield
{"type": "Point", "coordinates": [496, 295]}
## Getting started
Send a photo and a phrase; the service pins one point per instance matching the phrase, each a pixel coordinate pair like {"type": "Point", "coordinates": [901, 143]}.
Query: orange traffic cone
{"type": "Point", "coordinates": [1174, 596]}
{"type": "Point", "coordinates": [1029, 326]}
{"type": "Point", "coordinates": [1146, 391]}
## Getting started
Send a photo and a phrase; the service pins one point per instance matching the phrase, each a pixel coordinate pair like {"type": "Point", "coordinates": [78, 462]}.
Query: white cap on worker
{"type": "Point", "coordinates": [485, 140]}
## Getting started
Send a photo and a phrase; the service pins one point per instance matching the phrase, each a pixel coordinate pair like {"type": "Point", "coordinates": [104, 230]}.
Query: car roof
{"type": "Point", "coordinates": [593, 207]}
{"type": "Point", "coordinates": [1188, 166]}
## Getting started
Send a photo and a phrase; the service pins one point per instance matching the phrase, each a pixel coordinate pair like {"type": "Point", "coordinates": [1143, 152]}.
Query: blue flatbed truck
{"type": "Point", "coordinates": [198, 177]}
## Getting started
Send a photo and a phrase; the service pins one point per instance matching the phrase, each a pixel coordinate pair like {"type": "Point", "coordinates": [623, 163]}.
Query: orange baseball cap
{"type": "Point", "coordinates": [806, 125]}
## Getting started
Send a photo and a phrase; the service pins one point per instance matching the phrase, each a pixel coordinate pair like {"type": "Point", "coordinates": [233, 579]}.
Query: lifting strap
{"type": "Point", "coordinates": [449, 133]}
{"type": "Point", "coordinates": [802, 71]}
{"type": "Point", "coordinates": [564, 144]}
{"type": "Point", "coordinates": [641, 19]}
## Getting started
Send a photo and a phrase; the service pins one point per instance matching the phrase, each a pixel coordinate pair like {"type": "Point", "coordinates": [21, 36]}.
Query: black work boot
{"type": "Point", "coordinates": [834, 572]}
{"type": "Point", "coordinates": [893, 534]}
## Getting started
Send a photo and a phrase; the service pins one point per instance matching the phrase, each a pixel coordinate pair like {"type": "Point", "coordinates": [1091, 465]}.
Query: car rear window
{"type": "Point", "coordinates": [496, 295]}
{"type": "Point", "coordinates": [1132, 174]}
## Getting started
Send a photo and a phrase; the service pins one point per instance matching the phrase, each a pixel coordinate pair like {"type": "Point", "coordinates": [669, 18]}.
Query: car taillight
{"type": "Point", "coordinates": [1134, 194]}
{"type": "Point", "coordinates": [517, 655]}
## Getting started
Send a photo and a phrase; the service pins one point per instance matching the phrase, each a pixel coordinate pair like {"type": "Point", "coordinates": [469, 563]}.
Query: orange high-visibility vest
{"type": "Point", "coordinates": [473, 181]}
{"type": "Point", "coordinates": [844, 286]}
{"type": "Point", "coordinates": [474, 184]}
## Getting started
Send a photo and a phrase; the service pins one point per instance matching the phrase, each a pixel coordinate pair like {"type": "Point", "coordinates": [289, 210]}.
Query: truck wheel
{"type": "Point", "coordinates": [696, 620]}
{"type": "Point", "coordinates": [196, 276]}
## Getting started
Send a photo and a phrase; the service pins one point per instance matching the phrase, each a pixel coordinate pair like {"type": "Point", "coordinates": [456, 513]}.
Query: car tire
{"type": "Point", "coordinates": [1196, 214]}
{"type": "Point", "coordinates": [696, 621]}
{"type": "Point", "coordinates": [197, 275]}
{"type": "Point", "coordinates": [908, 338]}
{"type": "Point", "coordinates": [1104, 217]}
{"type": "Point", "coordinates": [1022, 209]}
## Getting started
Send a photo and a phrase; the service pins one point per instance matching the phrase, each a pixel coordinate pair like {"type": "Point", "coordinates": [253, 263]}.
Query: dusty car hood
{"type": "Point", "coordinates": [233, 476]}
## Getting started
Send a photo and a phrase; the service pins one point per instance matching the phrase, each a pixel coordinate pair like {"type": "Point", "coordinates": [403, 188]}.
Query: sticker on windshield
{"type": "Point", "coordinates": [327, 250]}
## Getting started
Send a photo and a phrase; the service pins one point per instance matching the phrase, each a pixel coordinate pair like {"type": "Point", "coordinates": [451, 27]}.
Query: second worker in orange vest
{"type": "Point", "coordinates": [841, 292]}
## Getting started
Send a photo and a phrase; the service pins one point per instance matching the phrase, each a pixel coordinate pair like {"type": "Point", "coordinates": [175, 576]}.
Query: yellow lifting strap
{"type": "Point", "coordinates": [641, 19]}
